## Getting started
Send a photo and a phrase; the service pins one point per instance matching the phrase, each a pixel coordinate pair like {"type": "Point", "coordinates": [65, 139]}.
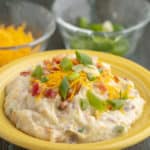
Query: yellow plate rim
{"type": "Point", "coordinates": [110, 144]}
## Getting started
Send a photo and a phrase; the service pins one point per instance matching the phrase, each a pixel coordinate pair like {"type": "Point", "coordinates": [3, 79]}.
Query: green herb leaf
{"type": "Point", "coordinates": [95, 101]}
{"type": "Point", "coordinates": [118, 129]}
{"type": "Point", "coordinates": [116, 103]}
{"type": "Point", "coordinates": [44, 79]}
{"type": "Point", "coordinates": [83, 58]}
{"type": "Point", "coordinates": [73, 76]}
{"type": "Point", "coordinates": [84, 104]}
{"type": "Point", "coordinates": [66, 64]}
{"type": "Point", "coordinates": [64, 88]}
{"type": "Point", "coordinates": [38, 72]}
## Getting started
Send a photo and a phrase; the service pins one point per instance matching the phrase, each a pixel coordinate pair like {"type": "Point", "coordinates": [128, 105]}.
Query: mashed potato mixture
{"type": "Point", "coordinates": [72, 99]}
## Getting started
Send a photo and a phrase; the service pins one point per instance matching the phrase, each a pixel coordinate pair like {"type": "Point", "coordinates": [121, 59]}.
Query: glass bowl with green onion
{"type": "Point", "coordinates": [111, 26]}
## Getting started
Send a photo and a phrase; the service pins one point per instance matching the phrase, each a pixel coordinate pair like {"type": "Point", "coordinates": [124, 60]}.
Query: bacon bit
{"type": "Point", "coordinates": [102, 87]}
{"type": "Point", "coordinates": [125, 79]}
{"type": "Point", "coordinates": [72, 92]}
{"type": "Point", "coordinates": [69, 94]}
{"type": "Point", "coordinates": [116, 79]}
{"type": "Point", "coordinates": [78, 88]}
{"type": "Point", "coordinates": [46, 62]}
{"type": "Point", "coordinates": [14, 116]}
{"type": "Point", "coordinates": [35, 89]}
{"type": "Point", "coordinates": [47, 130]}
{"type": "Point", "coordinates": [105, 74]}
{"type": "Point", "coordinates": [49, 93]}
{"type": "Point", "coordinates": [75, 61]}
{"type": "Point", "coordinates": [98, 65]}
{"type": "Point", "coordinates": [56, 60]}
{"type": "Point", "coordinates": [46, 70]}
{"type": "Point", "coordinates": [63, 105]}
{"type": "Point", "coordinates": [110, 107]}
{"type": "Point", "coordinates": [25, 73]}
{"type": "Point", "coordinates": [55, 68]}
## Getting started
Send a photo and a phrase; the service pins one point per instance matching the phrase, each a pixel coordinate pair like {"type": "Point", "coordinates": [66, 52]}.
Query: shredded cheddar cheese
{"type": "Point", "coordinates": [113, 92]}
{"type": "Point", "coordinates": [14, 36]}
{"type": "Point", "coordinates": [55, 78]}
{"type": "Point", "coordinates": [11, 36]}
{"type": "Point", "coordinates": [104, 81]}
{"type": "Point", "coordinates": [72, 93]}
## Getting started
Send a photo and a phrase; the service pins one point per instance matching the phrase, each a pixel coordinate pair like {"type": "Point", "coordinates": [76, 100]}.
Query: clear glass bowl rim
{"type": "Point", "coordinates": [75, 28]}
{"type": "Point", "coordinates": [42, 38]}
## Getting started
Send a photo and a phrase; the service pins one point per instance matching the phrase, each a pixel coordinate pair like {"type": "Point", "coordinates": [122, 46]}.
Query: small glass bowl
{"type": "Point", "coordinates": [133, 15]}
{"type": "Point", "coordinates": [38, 20]}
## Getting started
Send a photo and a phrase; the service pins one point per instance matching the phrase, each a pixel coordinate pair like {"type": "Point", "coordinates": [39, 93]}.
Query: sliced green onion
{"type": "Point", "coordinates": [118, 129]}
{"type": "Point", "coordinates": [73, 76]}
{"type": "Point", "coordinates": [66, 64]}
{"type": "Point", "coordinates": [84, 104]}
{"type": "Point", "coordinates": [83, 58]}
{"type": "Point", "coordinates": [44, 79]}
{"type": "Point", "coordinates": [96, 27]}
{"type": "Point", "coordinates": [116, 103]}
{"type": "Point", "coordinates": [78, 68]}
{"type": "Point", "coordinates": [82, 22]}
{"type": "Point", "coordinates": [100, 70]}
{"type": "Point", "coordinates": [95, 101]}
{"type": "Point", "coordinates": [64, 88]}
{"type": "Point", "coordinates": [117, 27]}
{"type": "Point", "coordinates": [123, 96]}
{"type": "Point", "coordinates": [38, 72]}
{"type": "Point", "coordinates": [91, 77]}
{"type": "Point", "coordinates": [81, 130]}
{"type": "Point", "coordinates": [120, 94]}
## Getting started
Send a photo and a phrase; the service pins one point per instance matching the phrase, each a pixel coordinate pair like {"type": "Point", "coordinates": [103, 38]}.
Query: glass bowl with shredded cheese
{"type": "Point", "coordinates": [25, 28]}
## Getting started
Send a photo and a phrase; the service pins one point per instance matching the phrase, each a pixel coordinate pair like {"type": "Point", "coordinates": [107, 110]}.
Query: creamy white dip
{"type": "Point", "coordinates": [41, 118]}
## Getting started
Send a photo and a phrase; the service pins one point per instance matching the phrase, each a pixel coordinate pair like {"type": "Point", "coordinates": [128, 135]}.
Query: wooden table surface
{"type": "Point", "coordinates": [141, 56]}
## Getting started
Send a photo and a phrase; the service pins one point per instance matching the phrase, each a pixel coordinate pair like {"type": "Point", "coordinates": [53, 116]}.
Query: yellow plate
{"type": "Point", "coordinates": [139, 131]}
